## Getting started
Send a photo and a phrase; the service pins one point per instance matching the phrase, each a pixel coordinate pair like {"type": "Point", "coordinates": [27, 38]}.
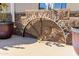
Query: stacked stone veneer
{"type": "Point", "coordinates": [24, 18]}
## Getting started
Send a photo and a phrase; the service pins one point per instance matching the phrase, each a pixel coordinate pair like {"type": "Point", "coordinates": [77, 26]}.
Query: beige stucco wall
{"type": "Point", "coordinates": [73, 6]}
{"type": "Point", "coordinates": [21, 7]}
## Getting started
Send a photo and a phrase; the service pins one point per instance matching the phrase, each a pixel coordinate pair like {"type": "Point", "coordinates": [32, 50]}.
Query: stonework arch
{"type": "Point", "coordinates": [34, 17]}
{"type": "Point", "coordinates": [38, 26]}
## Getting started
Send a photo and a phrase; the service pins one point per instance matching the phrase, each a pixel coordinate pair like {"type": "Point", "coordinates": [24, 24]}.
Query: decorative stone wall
{"type": "Point", "coordinates": [23, 19]}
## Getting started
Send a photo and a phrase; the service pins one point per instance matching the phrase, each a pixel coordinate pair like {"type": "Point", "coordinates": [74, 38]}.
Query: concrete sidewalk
{"type": "Point", "coordinates": [25, 46]}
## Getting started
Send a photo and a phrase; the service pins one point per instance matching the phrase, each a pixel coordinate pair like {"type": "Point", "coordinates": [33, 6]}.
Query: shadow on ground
{"type": "Point", "coordinates": [16, 40]}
